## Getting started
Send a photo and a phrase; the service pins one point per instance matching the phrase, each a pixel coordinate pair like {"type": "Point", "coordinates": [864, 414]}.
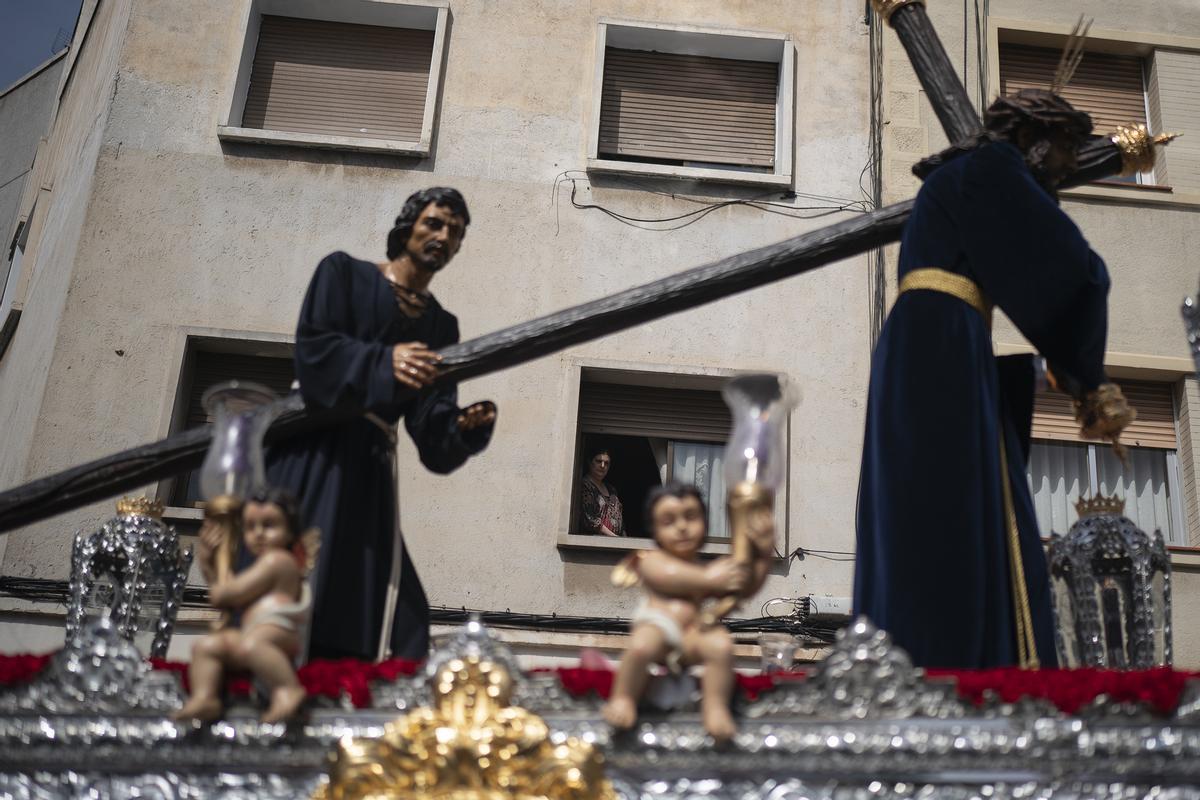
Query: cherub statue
{"type": "Point", "coordinates": [669, 627]}
{"type": "Point", "coordinates": [274, 600]}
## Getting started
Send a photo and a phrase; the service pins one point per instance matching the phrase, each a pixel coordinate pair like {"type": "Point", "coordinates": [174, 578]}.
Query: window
{"type": "Point", "coordinates": [654, 434]}
{"type": "Point", "coordinates": [206, 367]}
{"type": "Point", "coordinates": [1108, 86]}
{"type": "Point", "coordinates": [363, 80]}
{"type": "Point", "coordinates": [693, 103]}
{"type": "Point", "coordinates": [1062, 466]}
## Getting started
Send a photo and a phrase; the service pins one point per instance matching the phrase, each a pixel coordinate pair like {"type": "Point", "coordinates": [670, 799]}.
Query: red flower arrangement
{"type": "Point", "coordinates": [1068, 689]}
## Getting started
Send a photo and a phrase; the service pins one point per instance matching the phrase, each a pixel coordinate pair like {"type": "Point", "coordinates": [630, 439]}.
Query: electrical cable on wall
{"type": "Point", "coordinates": [827, 205]}
{"type": "Point", "coordinates": [44, 590]}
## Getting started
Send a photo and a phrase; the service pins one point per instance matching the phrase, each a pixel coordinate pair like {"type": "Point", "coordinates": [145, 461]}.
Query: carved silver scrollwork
{"type": "Point", "coordinates": [540, 694]}
{"type": "Point", "coordinates": [864, 676]}
{"type": "Point", "coordinates": [97, 672]}
{"type": "Point", "coordinates": [132, 561]}
{"type": "Point", "coordinates": [1191, 323]}
{"type": "Point", "coordinates": [1104, 570]}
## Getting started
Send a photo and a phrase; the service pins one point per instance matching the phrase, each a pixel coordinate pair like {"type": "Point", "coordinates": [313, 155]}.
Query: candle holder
{"type": "Point", "coordinates": [755, 459]}
{"type": "Point", "coordinates": [234, 467]}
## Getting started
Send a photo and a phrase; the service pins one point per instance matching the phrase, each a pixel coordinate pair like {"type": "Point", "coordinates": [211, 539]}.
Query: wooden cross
{"type": "Point", "coordinates": [1130, 150]}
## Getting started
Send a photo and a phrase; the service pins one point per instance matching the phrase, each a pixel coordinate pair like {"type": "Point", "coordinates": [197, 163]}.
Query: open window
{"type": "Point", "coordinates": [654, 434]}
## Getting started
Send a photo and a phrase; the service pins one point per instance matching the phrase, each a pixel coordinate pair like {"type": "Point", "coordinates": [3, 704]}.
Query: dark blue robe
{"type": "Point", "coordinates": [348, 325]}
{"type": "Point", "coordinates": [932, 563]}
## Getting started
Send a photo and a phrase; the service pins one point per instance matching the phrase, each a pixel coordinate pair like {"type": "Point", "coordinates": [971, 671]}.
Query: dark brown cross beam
{"type": "Point", "coordinates": [515, 345]}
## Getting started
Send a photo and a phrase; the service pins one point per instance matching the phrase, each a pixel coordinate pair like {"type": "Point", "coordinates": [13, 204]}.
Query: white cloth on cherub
{"type": "Point", "coordinates": [670, 629]}
{"type": "Point", "coordinates": [292, 616]}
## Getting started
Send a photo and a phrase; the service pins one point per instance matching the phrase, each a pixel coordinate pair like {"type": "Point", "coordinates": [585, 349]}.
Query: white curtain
{"type": "Point", "coordinates": [701, 466]}
{"type": "Point", "coordinates": [1058, 475]}
{"type": "Point", "coordinates": [1143, 484]}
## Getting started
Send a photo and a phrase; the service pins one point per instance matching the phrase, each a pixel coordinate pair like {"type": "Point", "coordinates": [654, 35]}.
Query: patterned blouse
{"type": "Point", "coordinates": [599, 510]}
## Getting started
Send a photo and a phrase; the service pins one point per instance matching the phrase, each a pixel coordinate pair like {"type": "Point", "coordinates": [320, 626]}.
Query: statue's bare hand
{"type": "Point", "coordinates": [414, 364]}
{"type": "Point", "coordinates": [477, 415]}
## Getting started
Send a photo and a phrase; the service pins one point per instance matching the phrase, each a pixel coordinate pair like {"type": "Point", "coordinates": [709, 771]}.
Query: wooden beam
{"type": "Point", "coordinates": [134, 468]}
{"type": "Point", "coordinates": [942, 86]}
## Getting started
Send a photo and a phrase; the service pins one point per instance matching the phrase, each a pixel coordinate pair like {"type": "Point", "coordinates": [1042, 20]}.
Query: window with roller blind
{"type": "Point", "coordinates": [360, 75]}
{"type": "Point", "coordinates": [1063, 466]}
{"type": "Point", "coordinates": [693, 103]}
{"type": "Point", "coordinates": [654, 434]}
{"type": "Point", "coordinates": [204, 368]}
{"type": "Point", "coordinates": [1109, 86]}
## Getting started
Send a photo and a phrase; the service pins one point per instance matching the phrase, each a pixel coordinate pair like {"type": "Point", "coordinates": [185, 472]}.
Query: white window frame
{"type": "Point", "coordinates": [636, 373]}
{"type": "Point", "coordinates": [427, 15]}
{"type": "Point", "coordinates": [713, 43]}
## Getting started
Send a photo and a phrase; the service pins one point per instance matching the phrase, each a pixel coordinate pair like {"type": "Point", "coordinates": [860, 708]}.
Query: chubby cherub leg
{"type": "Point", "coordinates": [210, 656]}
{"type": "Point", "coordinates": [713, 647]}
{"type": "Point", "coordinates": [267, 651]}
{"type": "Point", "coordinates": [647, 645]}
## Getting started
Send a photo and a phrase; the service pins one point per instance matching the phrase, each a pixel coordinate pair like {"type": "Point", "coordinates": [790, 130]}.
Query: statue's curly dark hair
{"type": "Point", "coordinates": [1036, 109]}
{"type": "Point", "coordinates": [452, 199]}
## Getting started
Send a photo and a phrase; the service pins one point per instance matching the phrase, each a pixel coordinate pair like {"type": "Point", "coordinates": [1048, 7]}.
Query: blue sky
{"type": "Point", "coordinates": [29, 30]}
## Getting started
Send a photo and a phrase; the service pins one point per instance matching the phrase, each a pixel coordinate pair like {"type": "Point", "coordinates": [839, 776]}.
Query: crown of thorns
{"type": "Point", "coordinates": [1038, 107]}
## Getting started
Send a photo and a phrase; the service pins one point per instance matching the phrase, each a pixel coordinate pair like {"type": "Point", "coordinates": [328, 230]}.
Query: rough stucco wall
{"type": "Point", "coordinates": [1176, 73]}
{"type": "Point", "coordinates": [184, 231]}
{"type": "Point", "coordinates": [25, 114]}
{"type": "Point", "coordinates": [51, 257]}
{"type": "Point", "coordinates": [1147, 248]}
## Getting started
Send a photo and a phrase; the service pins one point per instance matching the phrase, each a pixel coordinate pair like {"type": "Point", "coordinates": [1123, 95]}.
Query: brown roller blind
{"type": "Point", "coordinates": [1054, 418]}
{"type": "Point", "coordinates": [339, 79]}
{"type": "Point", "coordinates": [670, 107]}
{"type": "Point", "coordinates": [209, 369]}
{"type": "Point", "coordinates": [1109, 87]}
{"type": "Point", "coordinates": [684, 414]}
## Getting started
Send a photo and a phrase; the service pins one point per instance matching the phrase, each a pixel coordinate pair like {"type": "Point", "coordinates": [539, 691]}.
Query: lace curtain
{"type": "Point", "coordinates": [1060, 473]}
{"type": "Point", "coordinates": [701, 466]}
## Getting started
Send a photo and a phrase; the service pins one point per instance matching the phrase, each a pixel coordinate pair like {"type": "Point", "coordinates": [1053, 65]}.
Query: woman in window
{"type": "Point", "coordinates": [601, 506]}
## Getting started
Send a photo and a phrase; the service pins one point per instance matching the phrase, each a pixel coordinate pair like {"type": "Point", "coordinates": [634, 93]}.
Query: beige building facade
{"type": "Point", "coordinates": [181, 208]}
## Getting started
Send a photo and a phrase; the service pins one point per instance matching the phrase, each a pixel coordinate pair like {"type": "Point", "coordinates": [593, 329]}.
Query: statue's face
{"type": "Point", "coordinates": [264, 527]}
{"type": "Point", "coordinates": [1052, 153]}
{"type": "Point", "coordinates": [679, 525]}
{"type": "Point", "coordinates": [436, 237]}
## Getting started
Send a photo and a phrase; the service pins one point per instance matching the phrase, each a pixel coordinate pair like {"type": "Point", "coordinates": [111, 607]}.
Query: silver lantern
{"type": "Point", "coordinates": [132, 570]}
{"type": "Point", "coordinates": [1112, 590]}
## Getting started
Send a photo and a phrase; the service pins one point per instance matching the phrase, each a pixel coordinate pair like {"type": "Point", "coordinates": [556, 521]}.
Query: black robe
{"type": "Point", "coordinates": [932, 564]}
{"type": "Point", "coordinates": [343, 476]}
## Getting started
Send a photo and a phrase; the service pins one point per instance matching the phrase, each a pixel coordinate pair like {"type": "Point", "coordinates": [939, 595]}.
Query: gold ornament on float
{"type": "Point", "coordinates": [471, 745]}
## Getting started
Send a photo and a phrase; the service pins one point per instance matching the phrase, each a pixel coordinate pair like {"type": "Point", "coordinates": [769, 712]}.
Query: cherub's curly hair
{"type": "Point", "coordinates": [417, 201]}
{"type": "Point", "coordinates": [1038, 109]}
{"type": "Point", "coordinates": [671, 489]}
{"type": "Point", "coordinates": [287, 503]}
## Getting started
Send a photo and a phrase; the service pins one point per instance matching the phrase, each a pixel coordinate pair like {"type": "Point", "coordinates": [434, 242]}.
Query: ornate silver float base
{"type": "Point", "coordinates": [865, 725]}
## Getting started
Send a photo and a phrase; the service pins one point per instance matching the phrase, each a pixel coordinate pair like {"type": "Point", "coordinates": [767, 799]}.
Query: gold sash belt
{"type": "Point", "coordinates": [940, 280]}
{"type": "Point", "coordinates": [951, 283]}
